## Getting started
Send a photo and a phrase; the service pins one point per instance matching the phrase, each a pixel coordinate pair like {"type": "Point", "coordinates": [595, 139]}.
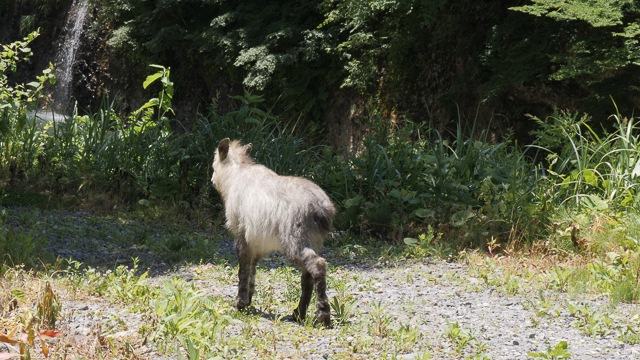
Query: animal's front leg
{"type": "Point", "coordinates": [252, 279]}
{"type": "Point", "coordinates": [246, 267]}
{"type": "Point", "coordinates": [307, 289]}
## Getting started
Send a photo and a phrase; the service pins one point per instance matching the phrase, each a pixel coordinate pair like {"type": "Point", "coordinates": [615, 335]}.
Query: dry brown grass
{"type": "Point", "coordinates": [33, 322]}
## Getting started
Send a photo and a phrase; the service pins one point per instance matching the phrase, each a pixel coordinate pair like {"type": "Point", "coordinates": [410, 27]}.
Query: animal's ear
{"type": "Point", "coordinates": [247, 149]}
{"type": "Point", "coordinates": [223, 148]}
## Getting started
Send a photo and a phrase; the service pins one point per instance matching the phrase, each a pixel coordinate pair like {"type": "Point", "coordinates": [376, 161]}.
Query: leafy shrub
{"type": "Point", "coordinates": [18, 132]}
{"type": "Point", "coordinates": [408, 178]}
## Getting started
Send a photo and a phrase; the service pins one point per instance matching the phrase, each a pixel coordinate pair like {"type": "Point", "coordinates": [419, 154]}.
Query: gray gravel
{"type": "Point", "coordinates": [444, 293]}
{"type": "Point", "coordinates": [432, 296]}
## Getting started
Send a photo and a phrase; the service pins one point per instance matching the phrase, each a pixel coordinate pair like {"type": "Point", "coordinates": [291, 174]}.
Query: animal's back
{"type": "Point", "coordinates": [270, 208]}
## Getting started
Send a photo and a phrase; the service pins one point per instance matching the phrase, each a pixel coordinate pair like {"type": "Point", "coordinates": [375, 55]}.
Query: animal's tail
{"type": "Point", "coordinates": [324, 217]}
{"type": "Point", "coordinates": [324, 222]}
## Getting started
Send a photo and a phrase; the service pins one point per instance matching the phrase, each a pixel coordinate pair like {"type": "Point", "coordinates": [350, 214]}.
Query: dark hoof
{"type": "Point", "coordinates": [323, 318]}
{"type": "Point", "coordinates": [297, 316]}
{"type": "Point", "coordinates": [241, 305]}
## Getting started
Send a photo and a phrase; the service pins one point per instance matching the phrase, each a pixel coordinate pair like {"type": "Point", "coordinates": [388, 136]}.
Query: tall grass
{"type": "Point", "coordinates": [593, 171]}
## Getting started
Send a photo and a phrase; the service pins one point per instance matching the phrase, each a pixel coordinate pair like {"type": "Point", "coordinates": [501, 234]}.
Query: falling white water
{"type": "Point", "coordinates": [67, 53]}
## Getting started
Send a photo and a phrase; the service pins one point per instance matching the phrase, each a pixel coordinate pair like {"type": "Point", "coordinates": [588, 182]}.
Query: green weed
{"type": "Point", "coordinates": [428, 244]}
{"type": "Point", "coordinates": [591, 322]}
{"type": "Point", "coordinates": [461, 339]}
{"type": "Point", "coordinates": [185, 314]}
{"type": "Point", "coordinates": [559, 351]}
{"type": "Point", "coordinates": [629, 335]}
{"type": "Point", "coordinates": [380, 321]}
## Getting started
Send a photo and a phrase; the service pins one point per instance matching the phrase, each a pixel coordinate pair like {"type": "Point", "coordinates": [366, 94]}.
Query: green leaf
{"type": "Point", "coordinates": [18, 294]}
{"type": "Point", "coordinates": [590, 177]}
{"type": "Point", "coordinates": [150, 79]}
{"type": "Point", "coordinates": [251, 120]}
{"type": "Point", "coordinates": [424, 213]}
{"type": "Point", "coordinates": [355, 201]}
{"type": "Point", "coordinates": [411, 241]}
{"type": "Point", "coordinates": [594, 202]}
{"type": "Point", "coordinates": [144, 202]}
{"type": "Point", "coordinates": [151, 103]}
{"type": "Point", "coordinates": [459, 218]}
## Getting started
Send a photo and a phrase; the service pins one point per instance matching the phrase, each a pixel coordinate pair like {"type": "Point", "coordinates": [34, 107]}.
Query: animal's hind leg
{"type": "Point", "coordinates": [246, 263]}
{"type": "Point", "coordinates": [307, 289]}
{"type": "Point", "coordinates": [317, 267]}
{"type": "Point", "coordinates": [323, 310]}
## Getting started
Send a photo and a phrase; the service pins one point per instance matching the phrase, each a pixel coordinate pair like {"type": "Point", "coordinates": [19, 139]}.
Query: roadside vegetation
{"type": "Point", "coordinates": [559, 214]}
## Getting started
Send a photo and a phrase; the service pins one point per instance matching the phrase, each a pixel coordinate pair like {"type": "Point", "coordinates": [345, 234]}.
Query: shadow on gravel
{"type": "Point", "coordinates": [106, 241]}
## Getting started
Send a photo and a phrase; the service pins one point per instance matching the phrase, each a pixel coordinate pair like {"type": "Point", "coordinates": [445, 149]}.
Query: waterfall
{"type": "Point", "coordinates": [67, 52]}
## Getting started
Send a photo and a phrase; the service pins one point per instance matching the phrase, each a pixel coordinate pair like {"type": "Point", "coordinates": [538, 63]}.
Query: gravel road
{"type": "Point", "coordinates": [444, 293]}
{"type": "Point", "coordinates": [431, 297]}
{"type": "Point", "coordinates": [458, 313]}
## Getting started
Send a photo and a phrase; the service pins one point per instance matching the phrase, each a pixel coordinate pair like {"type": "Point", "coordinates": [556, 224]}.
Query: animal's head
{"type": "Point", "coordinates": [229, 154]}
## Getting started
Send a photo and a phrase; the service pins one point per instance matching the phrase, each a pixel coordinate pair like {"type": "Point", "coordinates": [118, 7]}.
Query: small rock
{"type": "Point", "coordinates": [83, 330]}
{"type": "Point", "coordinates": [406, 356]}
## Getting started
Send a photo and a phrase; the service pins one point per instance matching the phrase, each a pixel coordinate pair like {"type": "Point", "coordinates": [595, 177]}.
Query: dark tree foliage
{"type": "Point", "coordinates": [591, 47]}
{"type": "Point", "coordinates": [430, 61]}
{"type": "Point", "coordinates": [228, 46]}
{"type": "Point", "coordinates": [20, 18]}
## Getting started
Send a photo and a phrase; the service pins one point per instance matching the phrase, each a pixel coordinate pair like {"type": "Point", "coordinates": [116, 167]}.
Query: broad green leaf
{"type": "Point", "coordinates": [594, 202]}
{"type": "Point", "coordinates": [411, 241]}
{"type": "Point", "coordinates": [151, 103]}
{"type": "Point", "coordinates": [144, 202]}
{"type": "Point", "coordinates": [590, 177]}
{"type": "Point", "coordinates": [150, 79]}
{"type": "Point", "coordinates": [355, 201]}
{"type": "Point", "coordinates": [424, 213]}
{"type": "Point", "coordinates": [459, 218]}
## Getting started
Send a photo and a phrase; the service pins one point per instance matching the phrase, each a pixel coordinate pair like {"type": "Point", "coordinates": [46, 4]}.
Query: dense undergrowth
{"type": "Point", "coordinates": [403, 180]}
